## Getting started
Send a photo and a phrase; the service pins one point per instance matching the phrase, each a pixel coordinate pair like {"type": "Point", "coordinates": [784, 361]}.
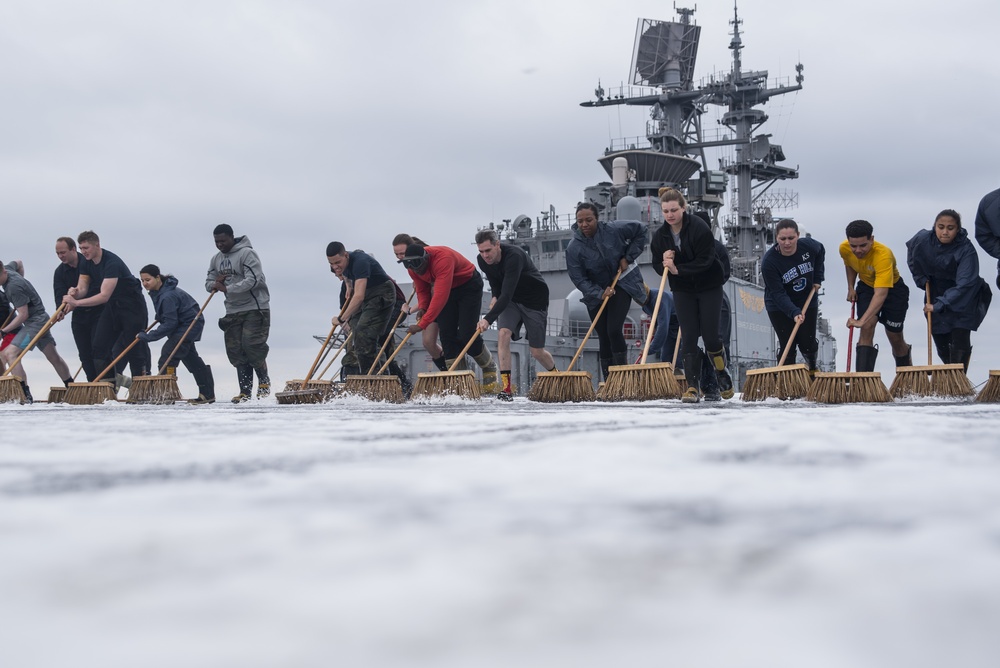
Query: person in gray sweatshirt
{"type": "Point", "coordinates": [236, 272]}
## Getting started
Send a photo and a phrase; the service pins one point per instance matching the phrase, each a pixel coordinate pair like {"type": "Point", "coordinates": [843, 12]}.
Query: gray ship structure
{"type": "Point", "coordinates": [675, 152]}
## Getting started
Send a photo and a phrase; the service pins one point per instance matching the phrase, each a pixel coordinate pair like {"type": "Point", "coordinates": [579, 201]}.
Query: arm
{"type": "Point", "coordinates": [108, 286]}
{"type": "Point", "coordinates": [513, 265]}
{"type": "Point", "coordinates": [578, 275]}
{"type": "Point", "coordinates": [634, 236]}
{"type": "Point", "coordinates": [20, 315]}
{"type": "Point", "coordinates": [702, 245]}
{"type": "Point", "coordinates": [852, 280]}
{"type": "Point", "coordinates": [873, 309]}
{"type": "Point", "coordinates": [988, 224]}
{"type": "Point", "coordinates": [212, 279]}
{"type": "Point", "coordinates": [253, 273]}
{"type": "Point", "coordinates": [915, 262]}
{"type": "Point", "coordinates": [819, 266]}
{"type": "Point", "coordinates": [355, 300]}
{"type": "Point", "coordinates": [774, 287]}
{"type": "Point", "coordinates": [966, 282]}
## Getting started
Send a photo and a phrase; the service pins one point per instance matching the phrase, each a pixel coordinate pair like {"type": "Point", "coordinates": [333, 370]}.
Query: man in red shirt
{"type": "Point", "coordinates": [450, 293]}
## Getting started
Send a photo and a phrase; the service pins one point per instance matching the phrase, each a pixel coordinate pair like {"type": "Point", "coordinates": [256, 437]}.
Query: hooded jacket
{"type": "Point", "coordinates": [699, 266]}
{"type": "Point", "coordinates": [175, 309]}
{"type": "Point", "coordinates": [960, 297]}
{"type": "Point", "coordinates": [246, 288]}
{"type": "Point", "coordinates": [988, 225]}
{"type": "Point", "coordinates": [592, 262]}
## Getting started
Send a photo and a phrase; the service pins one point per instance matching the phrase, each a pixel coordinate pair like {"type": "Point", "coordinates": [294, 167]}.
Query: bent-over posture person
{"type": "Point", "coordinates": [85, 318]}
{"type": "Point", "coordinates": [431, 331]}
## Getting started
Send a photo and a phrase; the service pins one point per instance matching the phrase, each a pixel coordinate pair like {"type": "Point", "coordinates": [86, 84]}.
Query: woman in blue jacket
{"type": "Point", "coordinates": [944, 258]}
{"type": "Point", "coordinates": [175, 311]}
{"type": "Point", "coordinates": [595, 254]}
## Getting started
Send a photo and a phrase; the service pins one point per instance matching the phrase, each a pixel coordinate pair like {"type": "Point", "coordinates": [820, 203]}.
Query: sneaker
{"type": "Point", "coordinates": [505, 396]}
{"type": "Point", "coordinates": [202, 399]}
{"type": "Point", "coordinates": [263, 390]}
{"type": "Point", "coordinates": [241, 398]}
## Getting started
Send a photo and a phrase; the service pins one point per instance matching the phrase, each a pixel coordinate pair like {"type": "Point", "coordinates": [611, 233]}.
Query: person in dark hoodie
{"type": "Point", "coordinates": [944, 258]}
{"type": "Point", "coordinates": [790, 268]}
{"type": "Point", "coordinates": [685, 247]}
{"type": "Point", "coordinates": [596, 253]}
{"type": "Point", "coordinates": [236, 272]}
{"type": "Point", "coordinates": [175, 311]}
{"type": "Point", "coordinates": [988, 226]}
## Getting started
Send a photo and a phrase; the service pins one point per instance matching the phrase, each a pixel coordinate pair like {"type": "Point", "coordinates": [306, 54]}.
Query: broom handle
{"type": "Point", "coordinates": [10, 316]}
{"type": "Point", "coordinates": [326, 351]}
{"type": "Point", "coordinates": [930, 339]}
{"type": "Point", "coordinates": [677, 347]}
{"type": "Point", "coordinates": [31, 344]}
{"type": "Point", "coordinates": [122, 354]}
{"type": "Point", "coordinates": [394, 353]}
{"type": "Point", "coordinates": [186, 332]}
{"type": "Point", "coordinates": [652, 322]}
{"type": "Point", "coordinates": [593, 322]}
{"type": "Point", "coordinates": [77, 373]}
{"type": "Point", "coordinates": [402, 314]}
{"type": "Point", "coordinates": [795, 329]}
{"type": "Point", "coordinates": [850, 340]}
{"type": "Point", "coordinates": [315, 363]}
{"type": "Point", "coordinates": [335, 355]}
{"type": "Point", "coordinates": [461, 355]}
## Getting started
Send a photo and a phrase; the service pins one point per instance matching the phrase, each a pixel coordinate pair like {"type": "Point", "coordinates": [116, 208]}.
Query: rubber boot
{"type": "Point", "coordinates": [692, 371]}
{"type": "Point", "coordinates": [811, 363]}
{"type": "Point", "coordinates": [404, 380]}
{"type": "Point", "coordinates": [27, 393]}
{"type": "Point", "coordinates": [462, 366]}
{"type": "Point", "coordinates": [263, 382]}
{"type": "Point", "coordinates": [605, 363]}
{"type": "Point", "coordinates": [904, 360]}
{"type": "Point", "coordinates": [620, 358]}
{"type": "Point", "coordinates": [718, 358]}
{"type": "Point", "coordinates": [961, 356]}
{"type": "Point", "coordinates": [709, 380]}
{"type": "Point", "coordinates": [440, 363]}
{"type": "Point", "coordinates": [349, 370]}
{"type": "Point", "coordinates": [206, 386]}
{"type": "Point", "coordinates": [485, 361]}
{"type": "Point", "coordinates": [244, 376]}
{"type": "Point", "coordinates": [864, 358]}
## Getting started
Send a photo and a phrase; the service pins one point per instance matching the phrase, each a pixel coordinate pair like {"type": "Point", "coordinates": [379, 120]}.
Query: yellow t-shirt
{"type": "Point", "coordinates": [877, 269]}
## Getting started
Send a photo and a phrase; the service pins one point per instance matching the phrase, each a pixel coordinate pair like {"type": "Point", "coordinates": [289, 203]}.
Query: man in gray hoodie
{"type": "Point", "coordinates": [236, 272]}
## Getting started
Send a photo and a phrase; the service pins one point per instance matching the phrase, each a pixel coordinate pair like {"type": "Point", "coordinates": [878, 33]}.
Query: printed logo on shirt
{"type": "Point", "coordinates": [790, 275]}
{"type": "Point", "coordinates": [800, 284]}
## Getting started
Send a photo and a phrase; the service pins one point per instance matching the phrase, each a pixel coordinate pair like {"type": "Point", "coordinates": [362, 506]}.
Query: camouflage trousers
{"type": "Point", "coordinates": [246, 337]}
{"type": "Point", "coordinates": [369, 324]}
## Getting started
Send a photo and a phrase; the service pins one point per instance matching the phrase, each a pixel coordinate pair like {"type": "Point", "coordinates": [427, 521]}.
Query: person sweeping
{"type": "Point", "coordinates": [175, 311]}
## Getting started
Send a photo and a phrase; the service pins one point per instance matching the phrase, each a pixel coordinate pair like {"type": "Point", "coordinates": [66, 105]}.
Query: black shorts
{"type": "Point", "coordinates": [894, 307]}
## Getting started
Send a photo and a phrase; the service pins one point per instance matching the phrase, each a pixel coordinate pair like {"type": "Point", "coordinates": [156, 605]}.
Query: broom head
{"type": "Point", "coordinates": [553, 387]}
{"type": "Point", "coordinates": [990, 394]}
{"type": "Point", "coordinates": [57, 395]}
{"type": "Point", "coordinates": [10, 390]}
{"type": "Point", "coordinates": [848, 388]}
{"type": "Point", "coordinates": [161, 390]}
{"type": "Point", "coordinates": [375, 388]}
{"type": "Point", "coordinates": [791, 381]}
{"type": "Point", "coordinates": [87, 394]}
{"type": "Point", "coordinates": [457, 383]}
{"type": "Point", "coordinates": [641, 382]}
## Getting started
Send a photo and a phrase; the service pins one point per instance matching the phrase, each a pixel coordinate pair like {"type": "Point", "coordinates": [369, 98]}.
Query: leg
{"type": "Point", "coordinates": [617, 312]}
{"type": "Point", "coordinates": [256, 328]}
{"type": "Point", "coordinates": [232, 329]}
{"type": "Point", "coordinates": [57, 362]}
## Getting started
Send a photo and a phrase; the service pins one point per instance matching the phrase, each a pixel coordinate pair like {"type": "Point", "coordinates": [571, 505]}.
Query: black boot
{"type": "Point", "coordinates": [904, 360]}
{"type": "Point", "coordinates": [206, 386]}
{"type": "Point", "coordinates": [692, 371]}
{"type": "Point", "coordinates": [605, 364]}
{"type": "Point", "coordinates": [619, 358]}
{"type": "Point", "coordinates": [709, 380]}
{"type": "Point", "coordinates": [346, 371]}
{"type": "Point", "coordinates": [27, 393]}
{"type": "Point", "coordinates": [244, 376]}
{"type": "Point", "coordinates": [718, 358]}
{"type": "Point", "coordinates": [404, 380]}
{"type": "Point", "coordinates": [961, 356]}
{"type": "Point", "coordinates": [440, 363]}
{"type": "Point", "coordinates": [263, 382]}
{"type": "Point", "coordinates": [864, 358]}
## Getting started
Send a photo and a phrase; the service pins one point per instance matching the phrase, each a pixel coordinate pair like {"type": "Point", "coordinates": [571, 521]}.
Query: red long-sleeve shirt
{"type": "Point", "coordinates": [446, 269]}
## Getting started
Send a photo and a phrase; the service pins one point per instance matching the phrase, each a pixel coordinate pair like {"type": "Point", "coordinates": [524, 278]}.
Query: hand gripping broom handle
{"type": "Point", "coordinates": [930, 339]}
{"type": "Point", "coordinates": [31, 344]}
{"type": "Point", "coordinates": [652, 321]}
{"type": "Point", "coordinates": [122, 354]}
{"type": "Point", "coordinates": [326, 351]}
{"type": "Point", "coordinates": [186, 332]}
{"type": "Point", "coordinates": [850, 340]}
{"type": "Point", "coordinates": [335, 355]}
{"type": "Point", "coordinates": [795, 329]}
{"type": "Point", "coordinates": [590, 331]}
{"type": "Point", "coordinates": [402, 314]}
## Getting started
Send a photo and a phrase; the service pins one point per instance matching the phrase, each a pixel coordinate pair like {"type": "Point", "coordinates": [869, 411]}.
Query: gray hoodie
{"type": "Point", "coordinates": [246, 288]}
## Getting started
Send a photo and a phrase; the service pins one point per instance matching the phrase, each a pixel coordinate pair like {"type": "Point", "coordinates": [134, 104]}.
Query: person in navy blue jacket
{"type": "Point", "coordinates": [790, 269]}
{"type": "Point", "coordinates": [175, 311]}
{"type": "Point", "coordinates": [595, 254]}
{"type": "Point", "coordinates": [944, 258]}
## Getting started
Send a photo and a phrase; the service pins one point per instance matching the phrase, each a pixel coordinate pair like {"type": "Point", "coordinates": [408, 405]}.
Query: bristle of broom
{"type": "Point", "coordinates": [160, 390]}
{"type": "Point", "coordinates": [990, 394]}
{"type": "Point", "coordinates": [553, 387]}
{"type": "Point", "coordinates": [940, 380]}
{"type": "Point", "coordinates": [791, 381]}
{"type": "Point", "coordinates": [641, 382]}
{"type": "Point", "coordinates": [10, 390]}
{"type": "Point", "coordinates": [376, 388]}
{"type": "Point", "coordinates": [326, 387]}
{"type": "Point", "coordinates": [445, 383]}
{"type": "Point", "coordinates": [949, 380]}
{"type": "Point", "coordinates": [848, 388]}
{"type": "Point", "coordinates": [88, 394]}
{"type": "Point", "coordinates": [682, 381]}
{"type": "Point", "coordinates": [300, 396]}
{"type": "Point", "coordinates": [57, 395]}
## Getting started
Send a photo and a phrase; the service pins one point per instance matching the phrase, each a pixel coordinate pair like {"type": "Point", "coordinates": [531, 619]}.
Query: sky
{"type": "Point", "coordinates": [301, 123]}
{"type": "Point", "coordinates": [490, 534]}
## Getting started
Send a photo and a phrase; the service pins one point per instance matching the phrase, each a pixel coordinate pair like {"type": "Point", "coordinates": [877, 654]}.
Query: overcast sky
{"type": "Point", "coordinates": [300, 123]}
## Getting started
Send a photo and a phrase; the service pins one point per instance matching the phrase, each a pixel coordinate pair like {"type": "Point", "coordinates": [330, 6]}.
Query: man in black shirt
{"type": "Point", "coordinates": [84, 322]}
{"type": "Point", "coordinates": [520, 297]}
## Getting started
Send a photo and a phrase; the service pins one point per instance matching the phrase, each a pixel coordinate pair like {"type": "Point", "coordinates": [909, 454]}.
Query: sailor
{"type": "Point", "coordinates": [944, 259]}
{"type": "Point", "coordinates": [520, 297]}
{"type": "Point", "coordinates": [27, 311]}
{"type": "Point", "coordinates": [791, 268]}
{"type": "Point", "coordinates": [450, 293]}
{"type": "Point", "coordinates": [879, 293]}
{"type": "Point", "coordinates": [431, 330]}
{"type": "Point", "coordinates": [988, 226]}
{"type": "Point", "coordinates": [685, 248]}
{"type": "Point", "coordinates": [236, 272]}
{"type": "Point", "coordinates": [106, 280]}
{"type": "Point", "coordinates": [85, 318]}
{"type": "Point", "coordinates": [596, 253]}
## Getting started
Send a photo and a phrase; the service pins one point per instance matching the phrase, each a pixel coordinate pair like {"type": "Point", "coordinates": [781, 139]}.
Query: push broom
{"type": "Point", "coordinates": [98, 391]}
{"type": "Point", "coordinates": [681, 378]}
{"type": "Point", "coordinates": [57, 395]}
{"type": "Point", "coordinates": [162, 388]}
{"type": "Point", "coordinates": [327, 387]}
{"type": "Point", "coordinates": [941, 380]}
{"type": "Point", "coordinates": [305, 394]}
{"type": "Point", "coordinates": [848, 388]}
{"type": "Point", "coordinates": [374, 386]}
{"type": "Point", "coordinates": [10, 385]}
{"type": "Point", "coordinates": [990, 394]}
{"type": "Point", "coordinates": [643, 382]}
{"type": "Point", "coordinates": [443, 383]}
{"type": "Point", "coordinates": [780, 382]}
{"type": "Point", "coordinates": [553, 387]}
